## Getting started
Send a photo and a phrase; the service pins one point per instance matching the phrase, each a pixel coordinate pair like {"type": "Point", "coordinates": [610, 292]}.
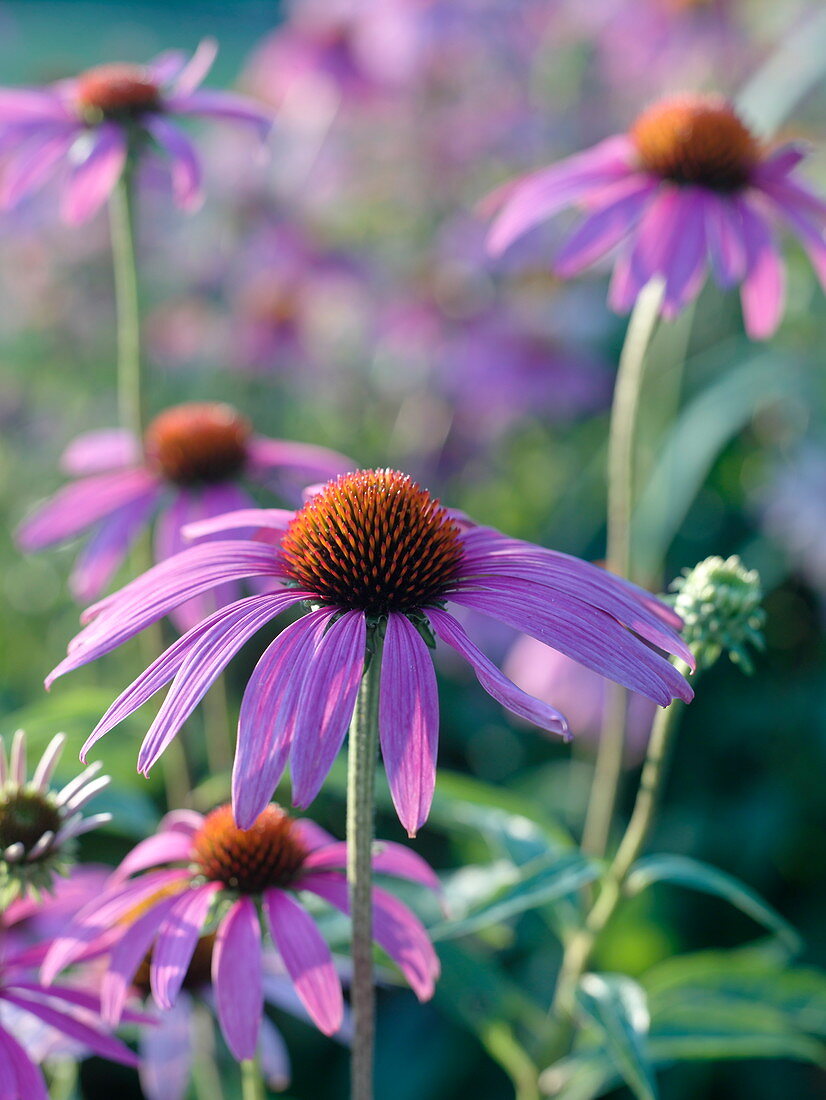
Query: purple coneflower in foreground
{"type": "Point", "coordinates": [193, 460]}
{"type": "Point", "coordinates": [687, 185]}
{"type": "Point", "coordinates": [83, 130]}
{"type": "Point", "coordinates": [219, 871]}
{"type": "Point", "coordinates": [373, 558]}
{"type": "Point", "coordinates": [73, 1013]}
{"type": "Point", "coordinates": [38, 826]}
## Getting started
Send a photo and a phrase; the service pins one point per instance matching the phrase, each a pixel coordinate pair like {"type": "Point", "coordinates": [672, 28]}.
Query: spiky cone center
{"type": "Point", "coordinates": [696, 140]}
{"type": "Point", "coordinates": [117, 90]}
{"type": "Point", "coordinates": [26, 815]}
{"type": "Point", "coordinates": [270, 853]}
{"type": "Point", "coordinates": [198, 443]}
{"type": "Point", "coordinates": [374, 541]}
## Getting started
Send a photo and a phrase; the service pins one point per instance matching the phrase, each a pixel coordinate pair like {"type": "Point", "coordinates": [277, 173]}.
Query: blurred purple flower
{"type": "Point", "coordinates": [579, 692]}
{"type": "Point", "coordinates": [794, 512]}
{"type": "Point", "coordinates": [194, 459]}
{"type": "Point", "coordinates": [688, 184]}
{"type": "Point", "coordinates": [216, 864]}
{"type": "Point", "coordinates": [370, 551]}
{"type": "Point", "coordinates": [83, 130]}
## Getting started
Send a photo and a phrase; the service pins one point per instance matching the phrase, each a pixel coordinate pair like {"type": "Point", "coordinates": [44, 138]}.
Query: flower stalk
{"type": "Point", "coordinates": [621, 454]}
{"type": "Point", "coordinates": [127, 303]}
{"type": "Point", "coordinates": [252, 1084]}
{"type": "Point", "coordinates": [361, 777]}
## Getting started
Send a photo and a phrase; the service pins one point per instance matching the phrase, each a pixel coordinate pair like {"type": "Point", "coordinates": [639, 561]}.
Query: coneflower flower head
{"type": "Point", "coordinates": [689, 186]}
{"type": "Point", "coordinates": [719, 602]}
{"type": "Point", "coordinates": [375, 561]}
{"type": "Point", "coordinates": [38, 825]}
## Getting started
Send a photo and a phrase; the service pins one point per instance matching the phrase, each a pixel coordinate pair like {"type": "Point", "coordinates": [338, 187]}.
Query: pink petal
{"type": "Point", "coordinates": [196, 69]}
{"type": "Point", "coordinates": [763, 292]}
{"type": "Point", "coordinates": [724, 233]}
{"type": "Point", "coordinates": [108, 546]}
{"type": "Point", "coordinates": [28, 1082]}
{"type": "Point", "coordinates": [408, 721]}
{"type": "Point", "coordinates": [316, 463]}
{"type": "Point", "coordinates": [33, 163]}
{"type": "Point", "coordinates": [606, 227]}
{"type": "Point", "coordinates": [92, 181]}
{"type": "Point", "coordinates": [307, 959]}
{"type": "Point", "coordinates": [127, 955]}
{"type": "Point", "coordinates": [388, 858]}
{"type": "Point", "coordinates": [163, 847]}
{"type": "Point", "coordinates": [186, 168]}
{"type": "Point", "coordinates": [236, 976]}
{"type": "Point", "coordinates": [166, 1053]}
{"type": "Point", "coordinates": [177, 941]}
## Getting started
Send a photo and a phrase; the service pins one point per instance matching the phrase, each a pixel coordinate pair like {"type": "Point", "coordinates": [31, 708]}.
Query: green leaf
{"type": "Point", "coordinates": [482, 896]}
{"type": "Point", "coordinates": [616, 1005]}
{"type": "Point", "coordinates": [692, 873]}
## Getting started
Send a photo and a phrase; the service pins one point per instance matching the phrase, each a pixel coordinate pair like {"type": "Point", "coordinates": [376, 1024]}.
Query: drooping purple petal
{"type": "Point", "coordinates": [395, 929]}
{"type": "Point", "coordinates": [166, 1053]}
{"type": "Point", "coordinates": [307, 959]}
{"type": "Point", "coordinates": [780, 162]}
{"type": "Point", "coordinates": [724, 234]}
{"type": "Point", "coordinates": [806, 223]}
{"type": "Point", "coordinates": [236, 976]}
{"type": "Point", "coordinates": [626, 283]}
{"type": "Point", "coordinates": [28, 1081]}
{"type": "Point", "coordinates": [98, 1042]}
{"type": "Point", "coordinates": [268, 712]}
{"type": "Point", "coordinates": [100, 451]}
{"type": "Point", "coordinates": [408, 721]}
{"type": "Point", "coordinates": [312, 835]}
{"type": "Point", "coordinates": [230, 627]}
{"type": "Point", "coordinates": [162, 847]}
{"type": "Point", "coordinates": [388, 859]}
{"type": "Point", "coordinates": [223, 106]}
{"type": "Point", "coordinates": [495, 683]}
{"type": "Point", "coordinates": [78, 506]}
{"type": "Point", "coordinates": [177, 940]}
{"type": "Point", "coordinates": [186, 168]}
{"type": "Point", "coordinates": [29, 104]}
{"type": "Point", "coordinates": [317, 463]}
{"type": "Point", "coordinates": [165, 66]}
{"type": "Point", "coordinates": [127, 955]}
{"type": "Point", "coordinates": [685, 266]}
{"type": "Point", "coordinates": [602, 230]}
{"type": "Point", "coordinates": [105, 551]}
{"type": "Point", "coordinates": [92, 181]}
{"type": "Point", "coordinates": [205, 659]}
{"type": "Point", "coordinates": [275, 1058]}
{"type": "Point", "coordinates": [195, 71]}
{"type": "Point", "coordinates": [33, 162]}
{"type": "Point", "coordinates": [534, 198]}
{"type": "Point", "coordinates": [325, 708]}
{"type": "Point", "coordinates": [764, 287]}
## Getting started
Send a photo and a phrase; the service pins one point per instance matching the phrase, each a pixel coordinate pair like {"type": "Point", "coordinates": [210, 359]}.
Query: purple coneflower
{"type": "Point", "coordinates": [69, 1012]}
{"type": "Point", "coordinates": [687, 185]}
{"type": "Point", "coordinates": [371, 554]}
{"type": "Point", "coordinates": [83, 130]}
{"type": "Point", "coordinates": [193, 460]}
{"type": "Point", "coordinates": [38, 826]}
{"type": "Point", "coordinates": [220, 875]}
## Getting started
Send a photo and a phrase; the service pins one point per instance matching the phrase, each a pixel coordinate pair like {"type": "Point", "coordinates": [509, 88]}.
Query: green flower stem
{"type": "Point", "coordinates": [580, 947]}
{"type": "Point", "coordinates": [127, 305]}
{"type": "Point", "coordinates": [621, 453]}
{"type": "Point", "coordinates": [361, 778]}
{"type": "Point", "coordinates": [252, 1084]}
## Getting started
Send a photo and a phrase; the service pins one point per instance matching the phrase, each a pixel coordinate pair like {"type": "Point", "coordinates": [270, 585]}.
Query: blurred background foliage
{"type": "Point", "coordinates": [338, 293]}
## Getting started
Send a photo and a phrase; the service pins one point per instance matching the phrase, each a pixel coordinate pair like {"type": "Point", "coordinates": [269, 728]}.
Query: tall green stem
{"type": "Point", "coordinates": [361, 777]}
{"type": "Point", "coordinates": [621, 452]}
{"type": "Point", "coordinates": [252, 1084]}
{"type": "Point", "coordinates": [580, 947]}
{"type": "Point", "coordinates": [122, 228]}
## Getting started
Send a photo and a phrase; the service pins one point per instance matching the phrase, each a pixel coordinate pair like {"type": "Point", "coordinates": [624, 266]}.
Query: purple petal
{"type": "Point", "coordinates": [395, 929]}
{"type": "Point", "coordinates": [307, 959]}
{"type": "Point", "coordinates": [177, 941]}
{"type": "Point", "coordinates": [166, 1053]}
{"type": "Point", "coordinates": [275, 1059]}
{"type": "Point", "coordinates": [806, 223]}
{"type": "Point", "coordinates": [316, 463]}
{"type": "Point", "coordinates": [73, 1028]}
{"type": "Point", "coordinates": [763, 292]}
{"type": "Point", "coordinates": [388, 858]}
{"type": "Point", "coordinates": [685, 266]}
{"type": "Point", "coordinates": [271, 519]}
{"type": "Point", "coordinates": [78, 506]}
{"type": "Point", "coordinates": [606, 227]}
{"type": "Point", "coordinates": [724, 234]}
{"type": "Point", "coordinates": [540, 195]}
{"type": "Point", "coordinates": [494, 682]}
{"type": "Point", "coordinates": [224, 106]}
{"type": "Point", "coordinates": [779, 163]}
{"type": "Point", "coordinates": [163, 847]}
{"type": "Point", "coordinates": [128, 954]}
{"type": "Point", "coordinates": [626, 283]}
{"type": "Point", "coordinates": [313, 835]}
{"type": "Point", "coordinates": [29, 1084]}
{"type": "Point", "coordinates": [206, 657]}
{"type": "Point", "coordinates": [408, 721]}
{"type": "Point", "coordinates": [105, 551]}
{"type": "Point", "coordinates": [236, 976]}
{"type": "Point", "coordinates": [325, 707]}
{"type": "Point", "coordinates": [268, 715]}
{"type": "Point", "coordinates": [33, 163]}
{"type": "Point", "coordinates": [195, 71]}
{"type": "Point", "coordinates": [186, 168]}
{"type": "Point", "coordinates": [24, 105]}
{"type": "Point", "coordinates": [92, 181]}
{"type": "Point", "coordinates": [166, 65]}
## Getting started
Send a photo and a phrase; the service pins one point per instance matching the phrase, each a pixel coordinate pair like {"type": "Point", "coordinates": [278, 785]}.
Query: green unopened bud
{"type": "Point", "coordinates": [719, 602]}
